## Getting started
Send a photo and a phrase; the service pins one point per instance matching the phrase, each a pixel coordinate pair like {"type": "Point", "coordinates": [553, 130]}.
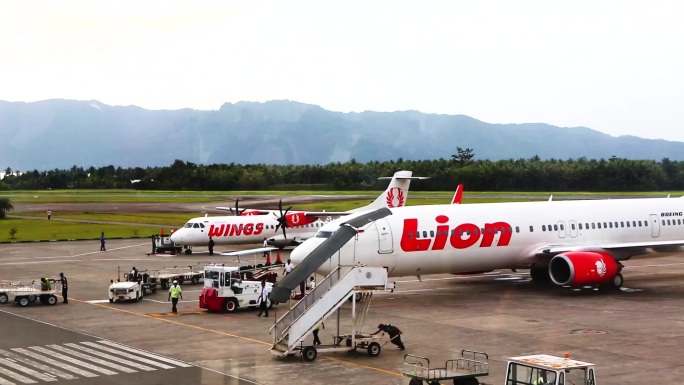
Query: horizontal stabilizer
{"type": "Point", "coordinates": [405, 177]}
{"type": "Point", "coordinates": [282, 290]}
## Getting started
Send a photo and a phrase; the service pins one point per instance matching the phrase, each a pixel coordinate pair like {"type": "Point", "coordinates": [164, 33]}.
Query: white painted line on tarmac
{"type": "Point", "coordinates": [147, 354]}
{"type": "Point", "coordinates": [14, 365]}
{"type": "Point", "coordinates": [56, 363]}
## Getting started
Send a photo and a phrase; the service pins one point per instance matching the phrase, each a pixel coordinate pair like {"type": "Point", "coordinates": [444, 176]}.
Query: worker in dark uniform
{"type": "Point", "coordinates": [393, 332]}
{"type": "Point", "coordinates": [65, 287]}
{"type": "Point", "coordinates": [211, 246]}
{"type": "Point", "coordinates": [133, 276]}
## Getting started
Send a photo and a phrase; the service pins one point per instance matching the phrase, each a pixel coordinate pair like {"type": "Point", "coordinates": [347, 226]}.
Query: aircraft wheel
{"type": "Point", "coordinates": [230, 305]}
{"type": "Point", "coordinates": [23, 301]}
{"type": "Point", "coordinates": [4, 298]}
{"type": "Point", "coordinates": [374, 349]}
{"type": "Point", "coordinates": [618, 280]}
{"type": "Point", "coordinates": [309, 353]}
{"type": "Point", "coordinates": [51, 300]}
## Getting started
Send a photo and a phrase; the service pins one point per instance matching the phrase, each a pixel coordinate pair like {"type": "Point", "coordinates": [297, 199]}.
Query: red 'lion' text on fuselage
{"type": "Point", "coordinates": [462, 236]}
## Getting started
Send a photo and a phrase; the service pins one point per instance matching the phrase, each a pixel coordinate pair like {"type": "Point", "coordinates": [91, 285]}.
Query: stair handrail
{"type": "Point", "coordinates": [291, 316]}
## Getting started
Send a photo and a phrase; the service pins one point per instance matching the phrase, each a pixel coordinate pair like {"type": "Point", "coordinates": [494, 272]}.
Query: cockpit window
{"type": "Point", "coordinates": [188, 225]}
{"type": "Point", "coordinates": [324, 234]}
{"type": "Point", "coordinates": [195, 225]}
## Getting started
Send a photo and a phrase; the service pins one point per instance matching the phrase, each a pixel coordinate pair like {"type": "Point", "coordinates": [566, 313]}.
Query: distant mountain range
{"type": "Point", "coordinates": [58, 134]}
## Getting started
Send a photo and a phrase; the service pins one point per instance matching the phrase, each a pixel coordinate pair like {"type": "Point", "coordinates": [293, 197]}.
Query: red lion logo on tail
{"type": "Point", "coordinates": [391, 202]}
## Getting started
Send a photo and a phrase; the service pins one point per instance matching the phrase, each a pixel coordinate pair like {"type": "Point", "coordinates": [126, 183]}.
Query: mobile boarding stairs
{"type": "Point", "coordinates": [291, 329]}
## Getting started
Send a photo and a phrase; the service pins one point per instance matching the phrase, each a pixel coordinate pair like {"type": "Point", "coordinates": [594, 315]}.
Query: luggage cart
{"type": "Point", "coordinates": [25, 293]}
{"type": "Point", "coordinates": [372, 344]}
{"type": "Point", "coordinates": [462, 371]}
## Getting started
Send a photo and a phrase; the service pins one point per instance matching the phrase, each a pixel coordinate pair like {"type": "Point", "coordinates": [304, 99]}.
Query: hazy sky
{"type": "Point", "coordinates": [614, 66]}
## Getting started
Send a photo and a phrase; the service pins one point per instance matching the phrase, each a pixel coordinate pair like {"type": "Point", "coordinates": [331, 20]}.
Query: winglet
{"type": "Point", "coordinates": [551, 198]}
{"type": "Point", "coordinates": [458, 195]}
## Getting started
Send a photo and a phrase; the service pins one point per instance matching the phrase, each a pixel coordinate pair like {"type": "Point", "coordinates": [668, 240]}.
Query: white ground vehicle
{"type": "Point", "coordinates": [162, 244]}
{"type": "Point", "coordinates": [525, 370]}
{"type": "Point", "coordinates": [125, 291]}
{"type": "Point", "coordinates": [24, 293]}
{"type": "Point", "coordinates": [228, 288]}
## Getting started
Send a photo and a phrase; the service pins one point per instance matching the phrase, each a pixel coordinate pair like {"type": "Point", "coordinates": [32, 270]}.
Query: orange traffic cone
{"type": "Point", "coordinates": [268, 259]}
{"type": "Point", "coordinates": [278, 260]}
{"type": "Point", "coordinates": [162, 232]}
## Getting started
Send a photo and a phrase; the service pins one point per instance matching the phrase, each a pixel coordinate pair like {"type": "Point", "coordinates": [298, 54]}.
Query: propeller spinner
{"type": "Point", "coordinates": [282, 219]}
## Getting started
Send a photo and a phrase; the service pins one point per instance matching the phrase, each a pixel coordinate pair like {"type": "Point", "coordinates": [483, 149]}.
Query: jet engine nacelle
{"type": "Point", "coordinates": [583, 268]}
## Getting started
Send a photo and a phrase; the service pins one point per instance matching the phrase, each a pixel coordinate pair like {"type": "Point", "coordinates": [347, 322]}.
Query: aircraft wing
{"type": "Point", "coordinates": [325, 213]}
{"type": "Point", "coordinates": [249, 211]}
{"type": "Point", "coordinates": [249, 251]}
{"type": "Point", "coordinates": [621, 251]}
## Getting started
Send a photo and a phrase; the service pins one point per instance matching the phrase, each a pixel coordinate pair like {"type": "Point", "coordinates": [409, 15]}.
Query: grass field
{"type": "Point", "coordinates": [138, 224]}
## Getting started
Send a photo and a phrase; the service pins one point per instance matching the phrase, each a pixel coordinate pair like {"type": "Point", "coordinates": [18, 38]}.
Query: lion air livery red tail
{"type": "Point", "coordinates": [572, 243]}
{"type": "Point", "coordinates": [288, 229]}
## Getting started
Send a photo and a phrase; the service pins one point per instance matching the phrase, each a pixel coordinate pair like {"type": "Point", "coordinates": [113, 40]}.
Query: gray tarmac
{"type": "Point", "coordinates": [634, 336]}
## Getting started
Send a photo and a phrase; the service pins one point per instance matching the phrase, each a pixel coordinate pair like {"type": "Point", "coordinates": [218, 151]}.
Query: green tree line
{"type": "Point", "coordinates": [532, 174]}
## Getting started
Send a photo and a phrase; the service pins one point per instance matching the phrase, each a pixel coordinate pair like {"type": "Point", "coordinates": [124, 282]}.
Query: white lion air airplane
{"type": "Point", "coordinates": [574, 243]}
{"type": "Point", "coordinates": [253, 229]}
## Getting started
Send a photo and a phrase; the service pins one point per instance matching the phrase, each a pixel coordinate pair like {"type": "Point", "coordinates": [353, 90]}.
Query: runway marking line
{"type": "Point", "coordinates": [164, 319]}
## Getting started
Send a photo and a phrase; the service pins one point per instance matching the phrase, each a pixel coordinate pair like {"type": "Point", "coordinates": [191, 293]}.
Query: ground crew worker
{"type": "Point", "coordinates": [133, 277]}
{"type": "Point", "coordinates": [102, 242]}
{"type": "Point", "coordinates": [319, 326]}
{"type": "Point", "coordinates": [263, 300]}
{"type": "Point", "coordinates": [65, 287]}
{"type": "Point", "coordinates": [394, 334]}
{"type": "Point", "coordinates": [49, 214]}
{"type": "Point", "coordinates": [266, 252]}
{"type": "Point", "coordinates": [288, 267]}
{"type": "Point", "coordinates": [541, 380]}
{"type": "Point", "coordinates": [174, 295]}
{"type": "Point", "coordinates": [211, 246]}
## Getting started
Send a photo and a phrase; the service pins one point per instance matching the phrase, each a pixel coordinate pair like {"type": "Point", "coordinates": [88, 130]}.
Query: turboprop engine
{"type": "Point", "coordinates": [584, 268]}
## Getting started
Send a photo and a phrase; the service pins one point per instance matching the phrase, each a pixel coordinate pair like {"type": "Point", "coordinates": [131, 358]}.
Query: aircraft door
{"type": "Point", "coordinates": [573, 229]}
{"type": "Point", "coordinates": [655, 226]}
{"type": "Point", "coordinates": [561, 229]}
{"type": "Point", "coordinates": [385, 244]}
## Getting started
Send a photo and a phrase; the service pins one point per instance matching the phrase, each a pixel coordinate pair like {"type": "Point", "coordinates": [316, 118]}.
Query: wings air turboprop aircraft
{"type": "Point", "coordinates": [300, 225]}
{"type": "Point", "coordinates": [572, 243]}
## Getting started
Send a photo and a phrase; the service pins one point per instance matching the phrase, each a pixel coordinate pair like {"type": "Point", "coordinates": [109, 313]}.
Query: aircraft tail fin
{"type": "Point", "coordinates": [458, 195]}
{"type": "Point", "coordinates": [396, 193]}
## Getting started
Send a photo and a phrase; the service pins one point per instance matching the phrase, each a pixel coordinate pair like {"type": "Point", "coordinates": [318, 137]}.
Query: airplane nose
{"type": "Point", "coordinates": [175, 237]}
{"type": "Point", "coordinates": [302, 251]}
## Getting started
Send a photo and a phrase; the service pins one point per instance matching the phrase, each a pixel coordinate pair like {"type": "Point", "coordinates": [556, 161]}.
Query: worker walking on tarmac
{"type": "Point", "coordinates": [263, 300]}
{"type": "Point", "coordinates": [102, 242]}
{"type": "Point", "coordinates": [394, 334]}
{"type": "Point", "coordinates": [65, 287]}
{"type": "Point", "coordinates": [317, 328]}
{"type": "Point", "coordinates": [174, 295]}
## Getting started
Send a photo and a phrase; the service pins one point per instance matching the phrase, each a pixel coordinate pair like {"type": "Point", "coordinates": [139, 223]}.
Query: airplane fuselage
{"type": "Point", "coordinates": [236, 230]}
{"type": "Point", "coordinates": [420, 240]}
